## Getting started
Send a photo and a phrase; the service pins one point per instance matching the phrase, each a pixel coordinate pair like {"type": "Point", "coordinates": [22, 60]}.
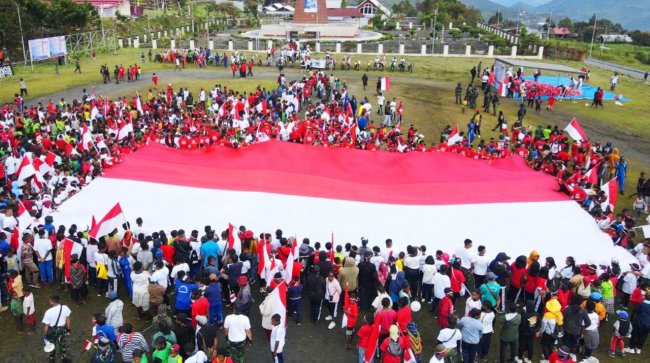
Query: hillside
{"type": "Point", "coordinates": [632, 14]}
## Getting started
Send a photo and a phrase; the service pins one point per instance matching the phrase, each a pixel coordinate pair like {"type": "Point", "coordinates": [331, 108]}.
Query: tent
{"type": "Point", "coordinates": [435, 199]}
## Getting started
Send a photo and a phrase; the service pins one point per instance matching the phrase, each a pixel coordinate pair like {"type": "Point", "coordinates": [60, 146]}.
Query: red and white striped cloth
{"type": "Point", "coordinates": [438, 199]}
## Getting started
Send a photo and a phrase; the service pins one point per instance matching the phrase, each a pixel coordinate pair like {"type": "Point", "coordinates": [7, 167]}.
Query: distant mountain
{"type": "Point", "coordinates": [487, 7]}
{"type": "Point", "coordinates": [632, 14]}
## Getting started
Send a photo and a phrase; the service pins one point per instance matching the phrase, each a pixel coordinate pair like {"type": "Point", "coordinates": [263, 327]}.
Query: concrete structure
{"type": "Point", "coordinates": [109, 8]}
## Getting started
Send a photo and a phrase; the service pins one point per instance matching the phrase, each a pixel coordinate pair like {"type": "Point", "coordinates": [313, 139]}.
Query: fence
{"type": "Point", "coordinates": [183, 38]}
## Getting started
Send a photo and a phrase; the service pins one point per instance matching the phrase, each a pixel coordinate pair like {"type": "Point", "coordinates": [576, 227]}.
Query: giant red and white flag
{"type": "Point", "coordinates": [312, 191]}
{"type": "Point", "coordinates": [124, 129]}
{"type": "Point", "coordinates": [278, 299]}
{"type": "Point", "coordinates": [575, 130]}
{"type": "Point", "coordinates": [113, 219]}
{"type": "Point", "coordinates": [454, 137]}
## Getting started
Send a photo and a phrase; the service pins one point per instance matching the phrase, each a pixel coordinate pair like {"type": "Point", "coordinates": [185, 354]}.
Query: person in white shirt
{"type": "Point", "coordinates": [450, 336]}
{"type": "Point", "coordinates": [466, 256]}
{"type": "Point", "coordinates": [161, 274]}
{"type": "Point", "coordinates": [428, 272]}
{"type": "Point", "coordinates": [480, 267]}
{"type": "Point", "coordinates": [237, 329]}
{"type": "Point", "coordinates": [487, 319]}
{"type": "Point", "coordinates": [387, 252]}
{"type": "Point", "coordinates": [441, 281]}
{"type": "Point", "coordinates": [56, 326]}
{"type": "Point", "coordinates": [381, 294]}
{"type": "Point", "coordinates": [179, 266]}
{"type": "Point", "coordinates": [194, 355]}
{"type": "Point", "coordinates": [278, 336]}
{"type": "Point", "coordinates": [43, 249]}
{"type": "Point", "coordinates": [29, 310]}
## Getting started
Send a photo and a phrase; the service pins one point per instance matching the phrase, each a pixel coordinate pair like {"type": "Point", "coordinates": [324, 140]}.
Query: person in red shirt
{"type": "Point", "coordinates": [395, 355]}
{"type": "Point", "coordinates": [364, 333]}
{"type": "Point", "coordinates": [168, 253]}
{"type": "Point", "coordinates": [560, 356]}
{"type": "Point", "coordinates": [457, 279]}
{"type": "Point", "coordinates": [445, 308]}
{"type": "Point", "coordinates": [386, 317]}
{"type": "Point", "coordinates": [351, 311]}
{"type": "Point", "coordinates": [154, 79]}
{"type": "Point", "coordinates": [200, 307]}
{"type": "Point", "coordinates": [404, 314]}
{"type": "Point", "coordinates": [518, 269]}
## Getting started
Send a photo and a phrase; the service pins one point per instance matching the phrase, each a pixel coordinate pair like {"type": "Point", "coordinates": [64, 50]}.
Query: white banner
{"type": "Point", "coordinates": [39, 49]}
{"type": "Point", "coordinates": [57, 46]}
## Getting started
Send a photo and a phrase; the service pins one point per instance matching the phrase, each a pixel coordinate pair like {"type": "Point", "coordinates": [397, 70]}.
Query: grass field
{"type": "Point", "coordinates": [623, 54]}
{"type": "Point", "coordinates": [427, 93]}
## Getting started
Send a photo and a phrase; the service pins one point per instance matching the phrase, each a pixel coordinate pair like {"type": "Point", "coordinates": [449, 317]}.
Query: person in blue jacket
{"type": "Point", "coordinates": [184, 287]}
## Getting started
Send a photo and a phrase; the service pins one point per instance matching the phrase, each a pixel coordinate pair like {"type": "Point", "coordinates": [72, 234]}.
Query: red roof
{"type": "Point", "coordinates": [344, 12]}
{"type": "Point", "coordinates": [561, 31]}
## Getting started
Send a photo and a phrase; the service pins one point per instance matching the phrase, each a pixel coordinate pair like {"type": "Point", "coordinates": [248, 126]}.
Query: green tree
{"type": "Point", "coordinates": [67, 16]}
{"type": "Point", "coordinates": [405, 8]}
{"type": "Point", "coordinates": [565, 23]}
{"type": "Point", "coordinates": [497, 18]}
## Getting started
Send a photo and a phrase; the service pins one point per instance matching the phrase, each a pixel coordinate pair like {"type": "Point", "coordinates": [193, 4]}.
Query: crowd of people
{"type": "Point", "coordinates": [52, 150]}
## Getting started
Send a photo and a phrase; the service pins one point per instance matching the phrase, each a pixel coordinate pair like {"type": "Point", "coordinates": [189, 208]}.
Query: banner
{"type": "Point", "coordinates": [318, 64]}
{"type": "Point", "coordinates": [6, 71]}
{"type": "Point", "coordinates": [57, 46]}
{"type": "Point", "coordinates": [39, 49]}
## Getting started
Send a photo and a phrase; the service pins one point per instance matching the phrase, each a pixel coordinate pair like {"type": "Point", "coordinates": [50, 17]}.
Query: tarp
{"type": "Point", "coordinates": [588, 90]}
{"type": "Point", "coordinates": [436, 199]}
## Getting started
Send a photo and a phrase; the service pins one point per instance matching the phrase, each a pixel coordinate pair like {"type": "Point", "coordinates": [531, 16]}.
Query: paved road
{"type": "Point", "coordinates": [635, 73]}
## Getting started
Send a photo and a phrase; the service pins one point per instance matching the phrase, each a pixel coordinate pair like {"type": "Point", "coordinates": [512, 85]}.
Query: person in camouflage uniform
{"type": "Point", "coordinates": [56, 325]}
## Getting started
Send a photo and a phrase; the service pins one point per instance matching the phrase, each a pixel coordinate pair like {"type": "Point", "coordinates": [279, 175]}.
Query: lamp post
{"type": "Point", "coordinates": [433, 38]}
{"type": "Point", "coordinates": [22, 37]}
{"type": "Point", "coordinates": [593, 35]}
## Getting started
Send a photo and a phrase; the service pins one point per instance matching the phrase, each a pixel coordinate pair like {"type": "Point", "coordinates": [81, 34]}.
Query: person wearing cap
{"type": "Point", "coordinates": [206, 335]}
{"type": "Point", "coordinates": [622, 329]}
{"type": "Point", "coordinates": [439, 355]}
{"type": "Point", "coordinates": [599, 308]}
{"type": "Point", "coordinates": [551, 327]}
{"type": "Point", "coordinates": [501, 269]}
{"type": "Point", "coordinates": [490, 290]}
{"type": "Point", "coordinates": [200, 306]}
{"type": "Point", "coordinates": [244, 297]}
{"type": "Point", "coordinates": [630, 282]}
{"type": "Point", "coordinates": [105, 351]}
{"type": "Point", "coordinates": [445, 308]}
{"type": "Point", "coordinates": [395, 347]}
{"type": "Point", "coordinates": [562, 355]}
{"type": "Point", "coordinates": [174, 354]}
{"type": "Point", "coordinates": [471, 329]}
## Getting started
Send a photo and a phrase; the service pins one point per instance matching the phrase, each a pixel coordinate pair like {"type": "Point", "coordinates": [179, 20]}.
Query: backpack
{"type": "Point", "coordinates": [623, 327]}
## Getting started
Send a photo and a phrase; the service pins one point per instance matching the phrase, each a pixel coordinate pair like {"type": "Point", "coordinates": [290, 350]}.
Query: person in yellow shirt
{"type": "Point", "coordinates": [597, 298]}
